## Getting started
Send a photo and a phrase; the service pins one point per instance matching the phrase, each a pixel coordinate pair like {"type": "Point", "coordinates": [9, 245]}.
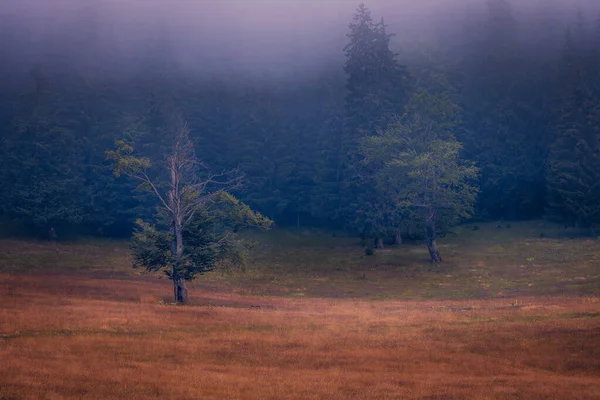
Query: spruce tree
{"type": "Point", "coordinates": [376, 82]}
{"type": "Point", "coordinates": [376, 90]}
{"type": "Point", "coordinates": [331, 156]}
{"type": "Point", "coordinates": [573, 176]}
{"type": "Point", "coordinates": [506, 105]}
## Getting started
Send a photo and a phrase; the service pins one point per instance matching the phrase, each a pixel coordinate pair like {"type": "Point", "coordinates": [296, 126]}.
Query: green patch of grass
{"type": "Point", "coordinates": [88, 256]}
{"type": "Point", "coordinates": [485, 263]}
{"type": "Point", "coordinates": [580, 315]}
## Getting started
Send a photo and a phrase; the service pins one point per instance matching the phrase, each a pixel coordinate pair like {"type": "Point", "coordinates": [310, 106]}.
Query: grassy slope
{"type": "Point", "coordinates": [483, 263]}
{"type": "Point", "coordinates": [81, 324]}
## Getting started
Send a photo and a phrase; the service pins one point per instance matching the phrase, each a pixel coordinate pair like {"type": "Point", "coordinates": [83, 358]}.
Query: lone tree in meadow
{"type": "Point", "coordinates": [197, 217]}
{"type": "Point", "coordinates": [418, 165]}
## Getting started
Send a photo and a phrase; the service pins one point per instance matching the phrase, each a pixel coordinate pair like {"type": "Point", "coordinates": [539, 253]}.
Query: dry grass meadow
{"type": "Point", "coordinates": [508, 316]}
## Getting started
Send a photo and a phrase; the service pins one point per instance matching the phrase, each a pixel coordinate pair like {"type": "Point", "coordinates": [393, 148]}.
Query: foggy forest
{"type": "Point", "coordinates": [263, 89]}
{"type": "Point", "coordinates": [391, 150]}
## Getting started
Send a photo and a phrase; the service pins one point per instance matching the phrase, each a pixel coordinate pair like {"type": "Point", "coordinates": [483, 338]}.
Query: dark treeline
{"type": "Point", "coordinates": [519, 97]}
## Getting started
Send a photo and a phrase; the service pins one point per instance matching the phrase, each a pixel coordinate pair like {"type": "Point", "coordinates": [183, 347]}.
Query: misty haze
{"type": "Point", "coordinates": [324, 199]}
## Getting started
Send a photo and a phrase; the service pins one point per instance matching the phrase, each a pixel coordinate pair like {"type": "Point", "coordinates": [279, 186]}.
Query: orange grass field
{"type": "Point", "coordinates": [85, 336]}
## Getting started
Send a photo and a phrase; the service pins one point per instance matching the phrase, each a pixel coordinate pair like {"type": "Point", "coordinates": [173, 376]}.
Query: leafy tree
{"type": "Point", "coordinates": [200, 215]}
{"type": "Point", "coordinates": [419, 168]}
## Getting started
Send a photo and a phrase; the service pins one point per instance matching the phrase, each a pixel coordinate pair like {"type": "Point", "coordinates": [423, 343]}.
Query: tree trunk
{"type": "Point", "coordinates": [363, 237]}
{"type": "Point", "coordinates": [379, 243]}
{"type": "Point", "coordinates": [431, 242]}
{"type": "Point", "coordinates": [180, 292]}
{"type": "Point", "coordinates": [398, 240]}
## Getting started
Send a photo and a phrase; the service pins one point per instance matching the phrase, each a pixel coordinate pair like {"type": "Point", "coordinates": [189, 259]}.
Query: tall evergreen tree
{"type": "Point", "coordinates": [573, 179]}
{"type": "Point", "coordinates": [376, 90]}
{"type": "Point", "coordinates": [258, 145]}
{"type": "Point", "coordinates": [506, 116]}
{"type": "Point", "coordinates": [327, 196]}
{"type": "Point", "coordinates": [376, 81]}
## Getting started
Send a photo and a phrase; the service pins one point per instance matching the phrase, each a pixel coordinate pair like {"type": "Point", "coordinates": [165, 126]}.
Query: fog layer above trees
{"type": "Point", "coordinates": [251, 37]}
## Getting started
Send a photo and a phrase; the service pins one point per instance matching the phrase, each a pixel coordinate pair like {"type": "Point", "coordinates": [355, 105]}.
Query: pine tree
{"type": "Point", "coordinates": [506, 117]}
{"type": "Point", "coordinates": [376, 81]}
{"type": "Point", "coordinates": [574, 164]}
{"type": "Point", "coordinates": [573, 177]}
{"type": "Point", "coordinates": [258, 145]}
{"type": "Point", "coordinates": [376, 86]}
{"type": "Point", "coordinates": [327, 194]}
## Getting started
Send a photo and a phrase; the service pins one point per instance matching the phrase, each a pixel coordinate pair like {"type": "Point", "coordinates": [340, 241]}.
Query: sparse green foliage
{"type": "Point", "coordinates": [197, 217]}
{"type": "Point", "coordinates": [209, 238]}
{"type": "Point", "coordinates": [418, 166]}
{"type": "Point", "coordinates": [438, 179]}
{"type": "Point", "coordinates": [151, 247]}
{"type": "Point", "coordinates": [124, 162]}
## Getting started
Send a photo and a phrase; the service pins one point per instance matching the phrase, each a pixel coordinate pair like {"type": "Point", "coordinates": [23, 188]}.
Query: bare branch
{"type": "Point", "coordinates": [146, 179]}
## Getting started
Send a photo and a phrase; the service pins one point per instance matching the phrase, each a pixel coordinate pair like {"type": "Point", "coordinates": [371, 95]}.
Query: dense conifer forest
{"type": "Point", "coordinates": [490, 113]}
